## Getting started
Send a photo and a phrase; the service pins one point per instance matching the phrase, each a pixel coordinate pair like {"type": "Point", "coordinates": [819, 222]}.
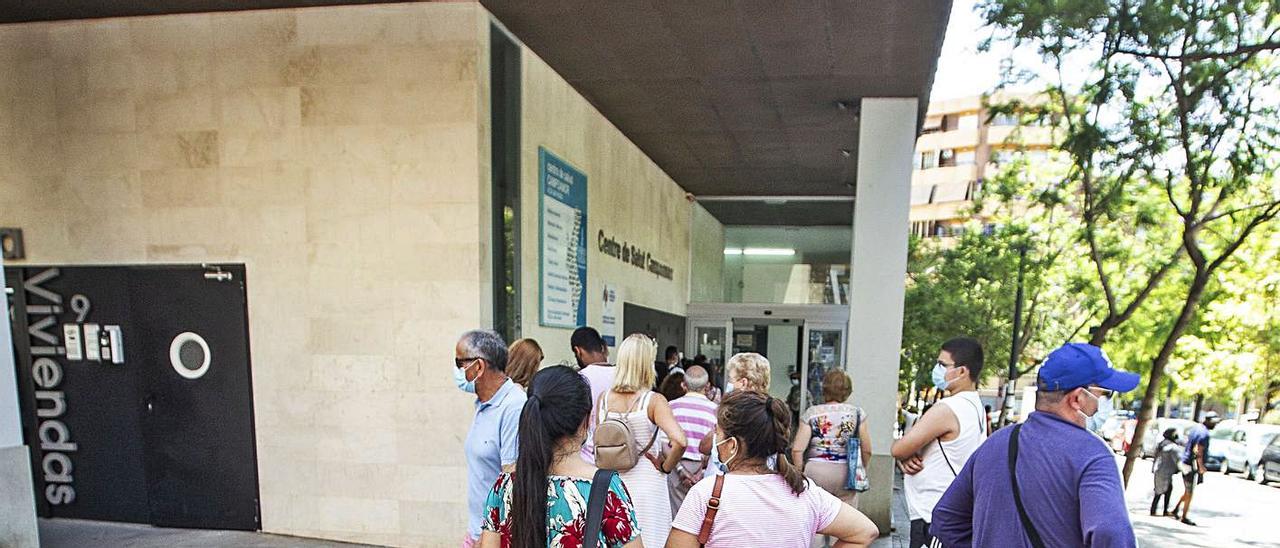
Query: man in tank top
{"type": "Point", "coordinates": [932, 453]}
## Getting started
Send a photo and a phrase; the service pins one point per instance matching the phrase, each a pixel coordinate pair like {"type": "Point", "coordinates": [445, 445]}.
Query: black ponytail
{"type": "Point", "coordinates": [559, 402]}
{"type": "Point", "coordinates": [763, 425]}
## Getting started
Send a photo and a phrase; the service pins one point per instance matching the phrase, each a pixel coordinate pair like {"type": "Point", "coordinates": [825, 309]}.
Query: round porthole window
{"type": "Point", "coordinates": [189, 355]}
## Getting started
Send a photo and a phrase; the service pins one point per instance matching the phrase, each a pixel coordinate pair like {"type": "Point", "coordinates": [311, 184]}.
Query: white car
{"type": "Point", "coordinates": [1155, 433]}
{"type": "Point", "coordinates": [1248, 443]}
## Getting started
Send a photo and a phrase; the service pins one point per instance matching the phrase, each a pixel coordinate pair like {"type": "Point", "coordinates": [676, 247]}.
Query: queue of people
{"type": "Point", "coordinates": [560, 456]}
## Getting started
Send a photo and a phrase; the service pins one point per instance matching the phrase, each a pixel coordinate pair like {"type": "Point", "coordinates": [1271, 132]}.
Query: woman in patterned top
{"type": "Point", "coordinates": [544, 502]}
{"type": "Point", "coordinates": [823, 434]}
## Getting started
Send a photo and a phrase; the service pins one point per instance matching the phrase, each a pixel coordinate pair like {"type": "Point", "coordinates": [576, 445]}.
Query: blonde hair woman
{"type": "Point", "coordinates": [745, 371]}
{"type": "Point", "coordinates": [523, 360]}
{"type": "Point", "coordinates": [632, 400]}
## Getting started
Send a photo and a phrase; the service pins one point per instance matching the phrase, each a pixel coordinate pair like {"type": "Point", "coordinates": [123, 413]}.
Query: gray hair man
{"type": "Point", "coordinates": [479, 367]}
{"type": "Point", "coordinates": [696, 415]}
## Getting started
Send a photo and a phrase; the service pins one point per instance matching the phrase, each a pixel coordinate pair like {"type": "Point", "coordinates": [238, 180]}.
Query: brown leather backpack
{"type": "Point", "coordinates": [615, 442]}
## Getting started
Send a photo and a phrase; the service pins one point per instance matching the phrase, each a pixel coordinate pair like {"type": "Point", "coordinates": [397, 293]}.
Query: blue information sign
{"type": "Point", "coordinates": [562, 242]}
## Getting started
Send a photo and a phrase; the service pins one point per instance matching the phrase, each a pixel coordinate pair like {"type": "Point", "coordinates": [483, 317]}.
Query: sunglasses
{"type": "Point", "coordinates": [463, 362]}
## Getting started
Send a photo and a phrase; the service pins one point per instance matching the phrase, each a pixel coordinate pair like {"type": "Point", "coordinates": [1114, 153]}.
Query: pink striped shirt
{"type": "Point", "coordinates": [696, 415]}
{"type": "Point", "coordinates": [759, 510]}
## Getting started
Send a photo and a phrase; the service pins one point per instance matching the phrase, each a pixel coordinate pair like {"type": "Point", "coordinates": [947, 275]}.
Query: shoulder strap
{"type": "Point", "coordinates": [595, 507]}
{"type": "Point", "coordinates": [1032, 534]}
{"type": "Point", "coordinates": [645, 409]}
{"type": "Point", "coordinates": [713, 507]}
{"type": "Point", "coordinates": [602, 407]}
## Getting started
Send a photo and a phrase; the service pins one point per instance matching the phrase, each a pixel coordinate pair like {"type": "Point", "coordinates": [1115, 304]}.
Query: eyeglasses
{"type": "Point", "coordinates": [1100, 391]}
{"type": "Point", "coordinates": [463, 362]}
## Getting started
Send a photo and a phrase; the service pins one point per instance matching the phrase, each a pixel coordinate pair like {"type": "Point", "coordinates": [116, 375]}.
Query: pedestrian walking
{"type": "Point", "coordinates": [755, 504]}
{"type": "Point", "coordinates": [479, 363]}
{"type": "Point", "coordinates": [1168, 452]}
{"type": "Point", "coordinates": [696, 415]}
{"type": "Point", "coordinates": [524, 357]}
{"type": "Point", "coordinates": [1192, 468]}
{"type": "Point", "coordinates": [644, 411]}
{"type": "Point", "coordinates": [1047, 481]}
{"type": "Point", "coordinates": [934, 450]}
{"type": "Point", "coordinates": [820, 449]}
{"type": "Point", "coordinates": [592, 355]}
{"type": "Point", "coordinates": [545, 500]}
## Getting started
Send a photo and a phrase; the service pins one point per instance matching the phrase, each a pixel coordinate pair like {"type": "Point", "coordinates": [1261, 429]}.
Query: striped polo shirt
{"type": "Point", "coordinates": [696, 415]}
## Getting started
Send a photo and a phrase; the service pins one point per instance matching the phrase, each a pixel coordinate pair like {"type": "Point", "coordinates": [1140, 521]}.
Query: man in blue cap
{"type": "Point", "coordinates": [1048, 481]}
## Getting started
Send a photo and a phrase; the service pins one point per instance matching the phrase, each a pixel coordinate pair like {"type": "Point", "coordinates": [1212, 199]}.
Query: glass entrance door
{"type": "Point", "coordinates": [710, 339]}
{"type": "Point", "coordinates": [824, 352]}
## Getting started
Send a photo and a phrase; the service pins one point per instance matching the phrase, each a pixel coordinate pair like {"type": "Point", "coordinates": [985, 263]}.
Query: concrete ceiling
{"type": "Point", "coordinates": [740, 97]}
{"type": "Point", "coordinates": [729, 97]}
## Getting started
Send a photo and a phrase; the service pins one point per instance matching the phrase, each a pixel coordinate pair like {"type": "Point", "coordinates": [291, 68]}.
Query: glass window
{"type": "Point", "coordinates": [947, 158]}
{"type": "Point", "coordinates": [929, 159]}
{"type": "Point", "coordinates": [969, 121]}
{"type": "Point", "coordinates": [1004, 120]}
{"type": "Point", "coordinates": [965, 158]}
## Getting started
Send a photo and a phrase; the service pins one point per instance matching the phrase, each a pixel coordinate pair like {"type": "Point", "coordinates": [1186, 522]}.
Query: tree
{"type": "Point", "coordinates": [1179, 99]}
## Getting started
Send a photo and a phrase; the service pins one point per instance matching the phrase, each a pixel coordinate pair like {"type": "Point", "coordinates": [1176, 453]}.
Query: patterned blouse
{"type": "Point", "coordinates": [831, 425]}
{"type": "Point", "coordinates": [567, 512]}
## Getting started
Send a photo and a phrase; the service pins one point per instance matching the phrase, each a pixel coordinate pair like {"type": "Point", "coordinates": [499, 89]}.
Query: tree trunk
{"type": "Point", "coordinates": [1195, 415]}
{"type": "Point", "coordinates": [1194, 293]}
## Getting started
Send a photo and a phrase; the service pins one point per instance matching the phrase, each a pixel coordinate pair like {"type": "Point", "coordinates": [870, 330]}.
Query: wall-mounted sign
{"type": "Point", "coordinates": [562, 242]}
{"type": "Point", "coordinates": [632, 255]}
{"type": "Point", "coordinates": [612, 316]}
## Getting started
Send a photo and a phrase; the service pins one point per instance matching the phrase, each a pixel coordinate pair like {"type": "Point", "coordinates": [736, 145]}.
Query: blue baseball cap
{"type": "Point", "coordinates": [1079, 364]}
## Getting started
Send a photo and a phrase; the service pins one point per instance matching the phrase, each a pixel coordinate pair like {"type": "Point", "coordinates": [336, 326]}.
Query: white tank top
{"type": "Point", "coordinates": [944, 459]}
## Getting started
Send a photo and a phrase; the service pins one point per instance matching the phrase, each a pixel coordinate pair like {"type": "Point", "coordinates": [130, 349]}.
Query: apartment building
{"type": "Point", "coordinates": [962, 143]}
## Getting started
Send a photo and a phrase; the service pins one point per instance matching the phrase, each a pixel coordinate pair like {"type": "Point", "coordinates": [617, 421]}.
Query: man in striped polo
{"type": "Point", "coordinates": [696, 415]}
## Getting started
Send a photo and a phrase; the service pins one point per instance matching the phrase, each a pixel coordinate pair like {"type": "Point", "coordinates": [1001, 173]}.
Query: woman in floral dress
{"type": "Point", "coordinates": [821, 440]}
{"type": "Point", "coordinates": [544, 502]}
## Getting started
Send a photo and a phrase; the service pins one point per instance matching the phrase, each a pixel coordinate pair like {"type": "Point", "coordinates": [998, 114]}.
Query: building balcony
{"type": "Point", "coordinates": [1031, 136]}
{"type": "Point", "coordinates": [939, 175]}
{"type": "Point", "coordinates": [957, 138]}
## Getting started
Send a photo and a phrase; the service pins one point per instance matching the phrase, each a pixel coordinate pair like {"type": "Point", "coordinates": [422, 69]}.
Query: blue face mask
{"type": "Point", "coordinates": [716, 464]}
{"type": "Point", "coordinates": [940, 376]}
{"type": "Point", "coordinates": [728, 387]}
{"type": "Point", "coordinates": [1099, 418]}
{"type": "Point", "coordinates": [460, 378]}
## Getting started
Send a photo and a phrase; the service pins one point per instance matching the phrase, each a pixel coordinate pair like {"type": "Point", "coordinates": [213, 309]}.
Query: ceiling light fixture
{"type": "Point", "coordinates": [769, 251]}
{"type": "Point", "coordinates": [732, 251]}
{"type": "Point", "coordinates": [846, 152]}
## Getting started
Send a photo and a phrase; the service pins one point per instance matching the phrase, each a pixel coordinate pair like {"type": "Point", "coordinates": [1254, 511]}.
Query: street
{"type": "Point", "coordinates": [1228, 511]}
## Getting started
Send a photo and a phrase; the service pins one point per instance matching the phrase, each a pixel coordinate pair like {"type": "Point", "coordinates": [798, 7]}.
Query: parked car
{"type": "Point", "coordinates": [1155, 430]}
{"type": "Point", "coordinates": [1269, 463]}
{"type": "Point", "coordinates": [1123, 436]}
{"type": "Point", "coordinates": [1220, 438]}
{"type": "Point", "coordinates": [1250, 440]}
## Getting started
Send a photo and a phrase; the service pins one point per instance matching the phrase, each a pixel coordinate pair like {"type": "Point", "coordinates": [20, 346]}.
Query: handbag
{"type": "Point", "coordinates": [856, 479]}
{"type": "Point", "coordinates": [615, 444]}
{"type": "Point", "coordinates": [595, 507]}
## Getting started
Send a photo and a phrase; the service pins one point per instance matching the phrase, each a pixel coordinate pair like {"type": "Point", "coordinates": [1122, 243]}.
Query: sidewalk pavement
{"type": "Point", "coordinates": [75, 533]}
{"type": "Point", "coordinates": [900, 524]}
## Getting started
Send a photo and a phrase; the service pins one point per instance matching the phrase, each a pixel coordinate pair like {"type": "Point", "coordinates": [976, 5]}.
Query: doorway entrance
{"type": "Point", "coordinates": [802, 342]}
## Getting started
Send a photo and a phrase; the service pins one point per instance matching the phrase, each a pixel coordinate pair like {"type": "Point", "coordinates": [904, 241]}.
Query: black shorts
{"type": "Point", "coordinates": [1190, 479]}
{"type": "Point", "coordinates": [920, 537]}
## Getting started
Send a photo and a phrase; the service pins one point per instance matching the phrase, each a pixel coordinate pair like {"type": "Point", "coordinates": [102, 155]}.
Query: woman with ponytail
{"type": "Point", "coordinates": [759, 505]}
{"type": "Point", "coordinates": [543, 503]}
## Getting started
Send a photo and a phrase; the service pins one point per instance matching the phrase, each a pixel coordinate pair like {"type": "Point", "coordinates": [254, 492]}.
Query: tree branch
{"type": "Point", "coordinates": [1184, 57]}
{"type": "Point", "coordinates": [1152, 283]}
{"type": "Point", "coordinates": [1258, 220]}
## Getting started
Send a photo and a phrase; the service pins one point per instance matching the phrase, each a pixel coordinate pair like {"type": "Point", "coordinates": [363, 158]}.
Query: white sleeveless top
{"type": "Point", "coordinates": [923, 490]}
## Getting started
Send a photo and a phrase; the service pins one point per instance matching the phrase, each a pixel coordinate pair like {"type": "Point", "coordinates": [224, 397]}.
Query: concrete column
{"type": "Point", "coordinates": [17, 501]}
{"type": "Point", "coordinates": [886, 140]}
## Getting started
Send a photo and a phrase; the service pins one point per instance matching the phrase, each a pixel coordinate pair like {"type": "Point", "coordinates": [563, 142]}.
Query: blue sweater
{"type": "Point", "coordinates": [1070, 487]}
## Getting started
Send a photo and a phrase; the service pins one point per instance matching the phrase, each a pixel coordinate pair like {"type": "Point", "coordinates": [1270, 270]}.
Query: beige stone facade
{"type": "Point", "coordinates": [961, 144]}
{"type": "Point", "coordinates": [342, 155]}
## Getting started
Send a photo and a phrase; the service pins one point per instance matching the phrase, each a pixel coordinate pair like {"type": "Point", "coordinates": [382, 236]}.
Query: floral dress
{"type": "Point", "coordinates": [567, 512]}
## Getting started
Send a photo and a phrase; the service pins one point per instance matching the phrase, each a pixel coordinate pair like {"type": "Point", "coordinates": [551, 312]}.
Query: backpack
{"type": "Point", "coordinates": [615, 443]}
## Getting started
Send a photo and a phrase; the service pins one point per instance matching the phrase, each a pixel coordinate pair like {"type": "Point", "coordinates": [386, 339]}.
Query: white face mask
{"type": "Point", "coordinates": [715, 454]}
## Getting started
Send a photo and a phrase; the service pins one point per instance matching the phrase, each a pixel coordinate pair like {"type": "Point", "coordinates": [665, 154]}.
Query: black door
{"type": "Point", "coordinates": [192, 345]}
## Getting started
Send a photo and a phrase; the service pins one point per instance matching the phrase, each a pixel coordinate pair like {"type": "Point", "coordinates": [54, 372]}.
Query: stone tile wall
{"type": "Point", "coordinates": [342, 155]}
